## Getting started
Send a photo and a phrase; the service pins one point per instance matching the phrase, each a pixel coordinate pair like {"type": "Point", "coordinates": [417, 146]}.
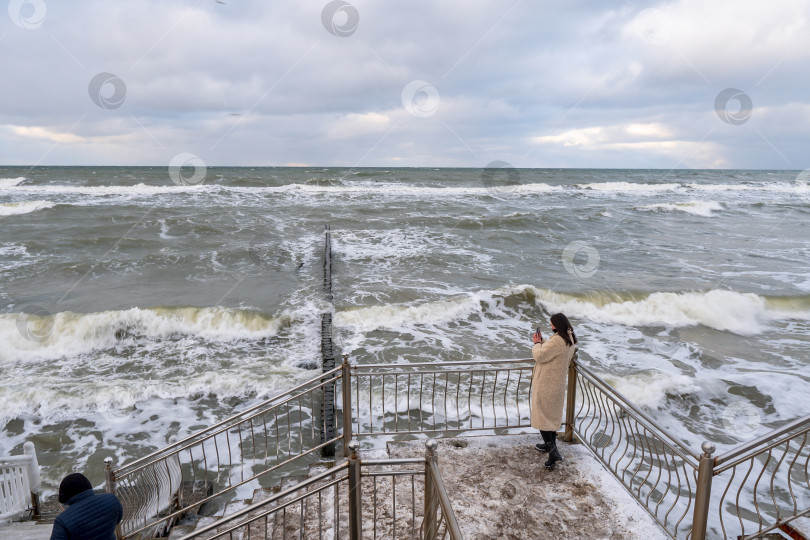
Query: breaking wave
{"type": "Point", "coordinates": [698, 208]}
{"type": "Point", "coordinates": [44, 336]}
{"type": "Point", "coordinates": [12, 209]}
{"type": "Point", "coordinates": [740, 313]}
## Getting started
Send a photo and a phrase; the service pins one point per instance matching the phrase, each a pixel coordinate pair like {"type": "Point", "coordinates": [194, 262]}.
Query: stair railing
{"type": "Point", "coordinates": [19, 484]}
{"type": "Point", "coordinates": [354, 497]}
{"type": "Point", "coordinates": [765, 483]}
{"type": "Point", "coordinates": [218, 460]}
{"type": "Point", "coordinates": [767, 478]}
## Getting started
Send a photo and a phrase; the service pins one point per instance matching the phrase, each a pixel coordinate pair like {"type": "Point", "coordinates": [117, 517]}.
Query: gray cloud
{"type": "Point", "coordinates": [577, 84]}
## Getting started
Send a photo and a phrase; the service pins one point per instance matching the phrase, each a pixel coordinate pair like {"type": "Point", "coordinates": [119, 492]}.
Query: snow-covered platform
{"type": "Point", "coordinates": [500, 489]}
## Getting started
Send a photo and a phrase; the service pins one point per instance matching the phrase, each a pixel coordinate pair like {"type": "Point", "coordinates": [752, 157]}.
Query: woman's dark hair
{"type": "Point", "coordinates": [563, 327]}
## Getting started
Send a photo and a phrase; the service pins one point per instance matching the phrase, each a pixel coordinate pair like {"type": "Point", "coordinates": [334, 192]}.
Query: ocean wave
{"type": "Point", "coordinates": [404, 189]}
{"type": "Point", "coordinates": [102, 191]}
{"type": "Point", "coordinates": [778, 187]}
{"type": "Point", "coordinates": [740, 313]}
{"type": "Point", "coordinates": [41, 335]}
{"type": "Point", "coordinates": [698, 208]}
{"type": "Point", "coordinates": [11, 182]}
{"type": "Point", "coordinates": [13, 249]}
{"type": "Point", "coordinates": [25, 207]}
{"type": "Point", "coordinates": [396, 316]}
{"type": "Point", "coordinates": [625, 187]}
{"type": "Point", "coordinates": [315, 186]}
{"type": "Point", "coordinates": [119, 397]}
{"type": "Point", "coordinates": [650, 389]}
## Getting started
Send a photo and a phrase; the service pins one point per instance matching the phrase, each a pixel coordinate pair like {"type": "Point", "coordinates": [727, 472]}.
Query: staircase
{"type": "Point", "coordinates": [290, 520]}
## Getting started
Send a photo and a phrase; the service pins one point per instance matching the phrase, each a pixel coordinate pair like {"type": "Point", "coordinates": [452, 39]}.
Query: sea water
{"type": "Point", "coordinates": [135, 309]}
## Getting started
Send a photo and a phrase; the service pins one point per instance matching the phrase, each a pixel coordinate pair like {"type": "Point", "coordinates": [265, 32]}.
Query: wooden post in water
{"type": "Point", "coordinates": [327, 263]}
{"type": "Point", "coordinates": [327, 355]}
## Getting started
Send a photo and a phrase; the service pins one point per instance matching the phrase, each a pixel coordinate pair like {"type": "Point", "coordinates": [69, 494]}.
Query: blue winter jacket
{"type": "Point", "coordinates": [89, 516]}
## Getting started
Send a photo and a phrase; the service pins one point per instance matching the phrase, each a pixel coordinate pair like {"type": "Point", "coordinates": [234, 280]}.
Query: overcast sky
{"type": "Point", "coordinates": [683, 84]}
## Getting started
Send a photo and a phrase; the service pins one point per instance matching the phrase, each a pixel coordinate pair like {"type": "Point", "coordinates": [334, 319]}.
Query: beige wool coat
{"type": "Point", "coordinates": [551, 360]}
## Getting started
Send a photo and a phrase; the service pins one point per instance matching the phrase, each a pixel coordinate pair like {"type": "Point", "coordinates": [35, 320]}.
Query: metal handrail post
{"type": "Point", "coordinates": [704, 491]}
{"type": "Point", "coordinates": [355, 494]}
{"type": "Point", "coordinates": [34, 478]}
{"type": "Point", "coordinates": [109, 475]}
{"type": "Point", "coordinates": [571, 397]}
{"type": "Point", "coordinates": [346, 383]}
{"type": "Point", "coordinates": [431, 501]}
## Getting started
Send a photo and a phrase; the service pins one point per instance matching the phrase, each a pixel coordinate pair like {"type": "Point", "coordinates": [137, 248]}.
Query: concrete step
{"type": "Point", "coordinates": [234, 506]}
{"type": "Point", "coordinates": [194, 521]}
{"type": "Point", "coordinates": [179, 531]}
{"type": "Point", "coordinates": [289, 481]}
{"type": "Point", "coordinates": [207, 520]}
{"type": "Point", "coordinates": [263, 493]}
{"type": "Point", "coordinates": [29, 530]}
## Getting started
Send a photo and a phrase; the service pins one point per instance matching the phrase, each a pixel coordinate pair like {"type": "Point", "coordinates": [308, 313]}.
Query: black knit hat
{"type": "Point", "coordinates": [72, 485]}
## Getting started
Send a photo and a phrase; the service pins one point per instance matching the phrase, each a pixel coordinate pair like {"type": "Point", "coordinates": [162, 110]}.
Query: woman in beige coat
{"type": "Point", "coordinates": [552, 358]}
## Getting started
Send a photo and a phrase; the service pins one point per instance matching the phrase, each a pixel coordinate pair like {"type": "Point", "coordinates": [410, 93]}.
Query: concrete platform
{"type": "Point", "coordinates": [500, 489]}
{"type": "Point", "coordinates": [26, 530]}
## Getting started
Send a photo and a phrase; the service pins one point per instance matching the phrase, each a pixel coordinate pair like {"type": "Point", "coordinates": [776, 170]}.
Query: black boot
{"type": "Point", "coordinates": [553, 454]}
{"type": "Point", "coordinates": [547, 437]}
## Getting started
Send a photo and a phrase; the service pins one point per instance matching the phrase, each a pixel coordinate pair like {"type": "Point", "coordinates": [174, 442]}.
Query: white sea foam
{"type": "Point", "coordinates": [26, 207]}
{"type": "Point", "coordinates": [404, 189]}
{"type": "Point", "coordinates": [68, 333]}
{"type": "Point", "coordinates": [11, 182]}
{"type": "Point", "coordinates": [381, 245]}
{"type": "Point", "coordinates": [775, 187]}
{"type": "Point", "coordinates": [395, 189]}
{"type": "Point", "coordinates": [650, 389]}
{"type": "Point", "coordinates": [625, 187]}
{"type": "Point", "coordinates": [54, 401]}
{"type": "Point", "coordinates": [13, 250]}
{"type": "Point", "coordinates": [741, 313]}
{"type": "Point", "coordinates": [101, 191]}
{"type": "Point", "coordinates": [698, 208]}
{"type": "Point", "coordinates": [394, 316]}
{"type": "Point", "coordinates": [384, 247]}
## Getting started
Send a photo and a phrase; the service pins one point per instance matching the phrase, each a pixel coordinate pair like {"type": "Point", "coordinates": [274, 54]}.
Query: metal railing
{"type": "Point", "coordinates": [657, 469]}
{"type": "Point", "coordinates": [765, 483]}
{"type": "Point", "coordinates": [436, 398]}
{"type": "Point", "coordinates": [19, 484]}
{"type": "Point", "coordinates": [216, 461]}
{"type": "Point", "coordinates": [337, 503]}
{"type": "Point", "coordinates": [672, 482]}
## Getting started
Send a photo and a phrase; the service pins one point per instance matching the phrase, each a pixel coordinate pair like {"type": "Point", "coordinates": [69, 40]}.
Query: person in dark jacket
{"type": "Point", "coordinates": [88, 516]}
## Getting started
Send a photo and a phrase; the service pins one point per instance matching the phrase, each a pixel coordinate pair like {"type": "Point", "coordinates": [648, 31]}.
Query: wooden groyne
{"type": "Point", "coordinates": [327, 351]}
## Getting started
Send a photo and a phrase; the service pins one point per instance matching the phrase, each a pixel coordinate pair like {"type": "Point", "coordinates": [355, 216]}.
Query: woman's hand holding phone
{"type": "Point", "coordinates": [537, 337]}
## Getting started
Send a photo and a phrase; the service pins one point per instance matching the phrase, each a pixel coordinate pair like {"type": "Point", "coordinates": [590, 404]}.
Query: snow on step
{"type": "Point", "coordinates": [29, 530]}
{"type": "Point", "coordinates": [499, 488]}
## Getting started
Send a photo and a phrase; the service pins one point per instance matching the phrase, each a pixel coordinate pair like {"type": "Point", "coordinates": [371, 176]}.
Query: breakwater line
{"type": "Point", "coordinates": [327, 352]}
